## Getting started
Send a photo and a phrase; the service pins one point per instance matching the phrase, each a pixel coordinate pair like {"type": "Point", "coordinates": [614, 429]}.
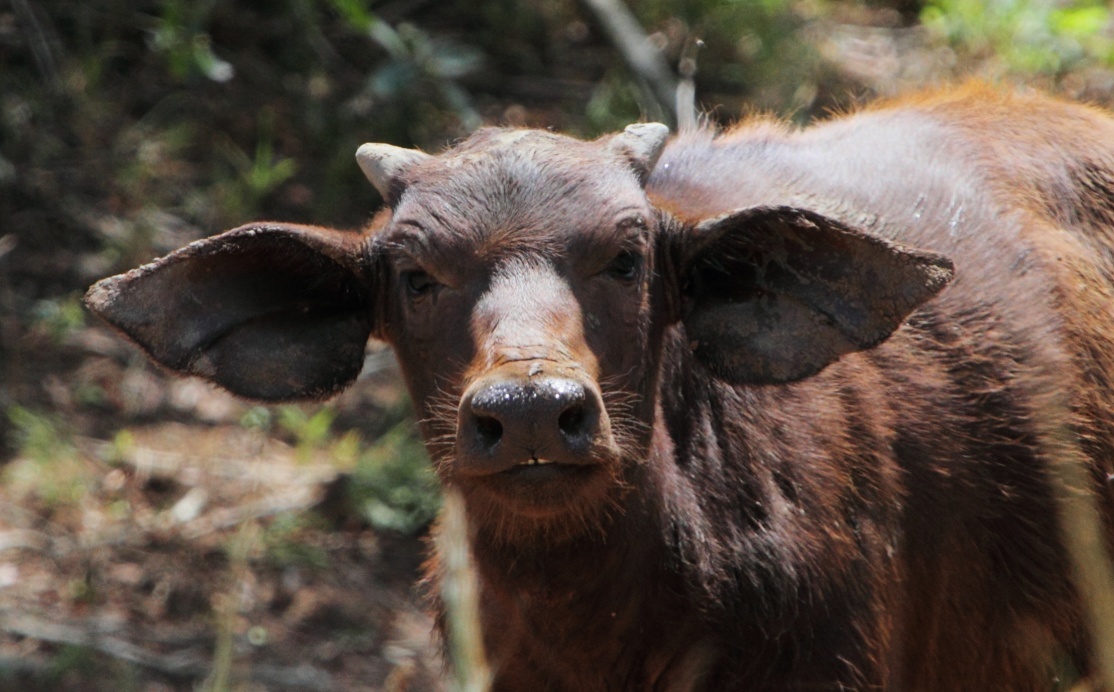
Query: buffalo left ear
{"type": "Point", "coordinates": [273, 312]}
{"type": "Point", "coordinates": [775, 294]}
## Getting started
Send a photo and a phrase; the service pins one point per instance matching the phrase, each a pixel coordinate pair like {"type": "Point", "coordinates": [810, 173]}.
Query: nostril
{"type": "Point", "coordinates": [488, 430]}
{"type": "Point", "coordinates": [501, 418]}
{"type": "Point", "coordinates": [571, 420]}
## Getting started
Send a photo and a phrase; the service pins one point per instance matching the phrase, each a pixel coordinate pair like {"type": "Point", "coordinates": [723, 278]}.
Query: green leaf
{"type": "Point", "coordinates": [1080, 22]}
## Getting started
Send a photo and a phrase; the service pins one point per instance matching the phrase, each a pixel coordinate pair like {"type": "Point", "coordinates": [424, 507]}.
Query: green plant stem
{"type": "Point", "coordinates": [460, 594]}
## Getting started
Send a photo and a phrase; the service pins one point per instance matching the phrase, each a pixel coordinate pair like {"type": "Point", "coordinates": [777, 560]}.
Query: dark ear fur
{"type": "Point", "coordinates": [268, 311]}
{"type": "Point", "coordinates": [775, 294]}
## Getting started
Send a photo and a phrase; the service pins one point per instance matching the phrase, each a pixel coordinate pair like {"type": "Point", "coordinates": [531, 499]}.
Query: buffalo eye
{"type": "Point", "coordinates": [418, 283]}
{"type": "Point", "coordinates": [626, 266]}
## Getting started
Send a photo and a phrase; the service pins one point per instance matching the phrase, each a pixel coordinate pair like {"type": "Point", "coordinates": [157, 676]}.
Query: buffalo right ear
{"type": "Point", "coordinates": [268, 311]}
{"type": "Point", "coordinates": [776, 294]}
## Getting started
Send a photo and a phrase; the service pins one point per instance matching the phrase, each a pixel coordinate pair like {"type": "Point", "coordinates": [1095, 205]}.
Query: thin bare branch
{"type": "Point", "coordinates": [187, 664]}
{"type": "Point", "coordinates": [460, 594]}
{"type": "Point", "coordinates": [641, 56]}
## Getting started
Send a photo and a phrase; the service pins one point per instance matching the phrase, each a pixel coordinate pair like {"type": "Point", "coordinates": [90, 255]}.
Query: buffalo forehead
{"type": "Point", "coordinates": [523, 189]}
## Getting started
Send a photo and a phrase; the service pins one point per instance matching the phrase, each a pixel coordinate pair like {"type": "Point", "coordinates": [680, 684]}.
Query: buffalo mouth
{"type": "Point", "coordinates": [535, 469]}
{"type": "Point", "coordinates": [544, 470]}
{"type": "Point", "coordinates": [540, 486]}
{"type": "Point", "coordinates": [533, 461]}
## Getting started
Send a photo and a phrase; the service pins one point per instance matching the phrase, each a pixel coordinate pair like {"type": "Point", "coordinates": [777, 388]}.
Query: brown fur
{"type": "Point", "coordinates": [816, 508]}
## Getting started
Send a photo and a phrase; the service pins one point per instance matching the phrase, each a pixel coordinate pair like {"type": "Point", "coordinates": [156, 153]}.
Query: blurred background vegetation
{"type": "Point", "coordinates": [131, 127]}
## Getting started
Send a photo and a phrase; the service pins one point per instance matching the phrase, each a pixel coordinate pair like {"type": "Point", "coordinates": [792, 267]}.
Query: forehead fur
{"type": "Point", "coordinates": [522, 185]}
{"type": "Point", "coordinates": [548, 165]}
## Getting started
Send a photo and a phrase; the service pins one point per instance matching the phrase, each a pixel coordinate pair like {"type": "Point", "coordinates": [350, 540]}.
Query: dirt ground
{"type": "Point", "coordinates": [192, 550]}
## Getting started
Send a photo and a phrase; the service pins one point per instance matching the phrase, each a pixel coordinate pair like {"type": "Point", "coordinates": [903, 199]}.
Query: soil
{"type": "Point", "coordinates": [191, 551]}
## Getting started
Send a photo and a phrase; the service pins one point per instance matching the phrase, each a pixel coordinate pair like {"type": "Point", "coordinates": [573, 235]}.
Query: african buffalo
{"type": "Point", "coordinates": [757, 409]}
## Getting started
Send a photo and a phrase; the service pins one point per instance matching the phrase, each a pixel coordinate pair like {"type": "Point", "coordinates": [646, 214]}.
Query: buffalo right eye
{"type": "Point", "coordinates": [626, 266]}
{"type": "Point", "coordinates": [418, 283]}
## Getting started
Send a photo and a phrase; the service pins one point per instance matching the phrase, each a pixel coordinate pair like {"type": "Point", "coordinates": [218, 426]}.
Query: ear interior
{"type": "Point", "coordinates": [775, 294]}
{"type": "Point", "coordinates": [258, 310]}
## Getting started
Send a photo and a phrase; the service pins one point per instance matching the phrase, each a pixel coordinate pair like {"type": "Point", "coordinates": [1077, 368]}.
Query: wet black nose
{"type": "Point", "coordinates": [506, 422]}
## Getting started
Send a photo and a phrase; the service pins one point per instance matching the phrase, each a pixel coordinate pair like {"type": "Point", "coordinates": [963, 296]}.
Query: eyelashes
{"type": "Point", "coordinates": [625, 267]}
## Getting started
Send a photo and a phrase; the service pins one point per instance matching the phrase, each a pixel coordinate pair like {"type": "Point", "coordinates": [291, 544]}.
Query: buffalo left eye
{"type": "Point", "coordinates": [626, 266]}
{"type": "Point", "coordinates": [418, 283]}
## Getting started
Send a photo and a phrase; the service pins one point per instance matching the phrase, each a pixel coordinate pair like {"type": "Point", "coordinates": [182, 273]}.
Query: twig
{"type": "Point", "coordinates": [23, 539]}
{"type": "Point", "coordinates": [41, 40]}
{"type": "Point", "coordinates": [686, 88]}
{"type": "Point", "coordinates": [1083, 531]}
{"type": "Point", "coordinates": [8, 243]}
{"type": "Point", "coordinates": [272, 505]}
{"type": "Point", "coordinates": [163, 464]}
{"type": "Point", "coordinates": [460, 594]}
{"type": "Point", "coordinates": [643, 58]}
{"type": "Point", "coordinates": [184, 664]}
